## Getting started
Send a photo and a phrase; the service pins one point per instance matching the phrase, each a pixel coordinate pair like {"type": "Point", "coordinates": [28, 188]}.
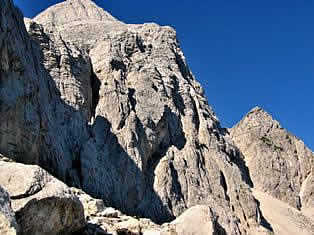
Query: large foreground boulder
{"type": "Point", "coordinates": [43, 204]}
{"type": "Point", "coordinates": [8, 225]}
{"type": "Point", "coordinates": [198, 220]}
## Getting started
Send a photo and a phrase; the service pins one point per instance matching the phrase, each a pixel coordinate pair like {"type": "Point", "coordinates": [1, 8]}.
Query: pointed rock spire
{"type": "Point", "coordinates": [258, 111]}
{"type": "Point", "coordinates": [279, 163]}
{"type": "Point", "coordinates": [256, 118]}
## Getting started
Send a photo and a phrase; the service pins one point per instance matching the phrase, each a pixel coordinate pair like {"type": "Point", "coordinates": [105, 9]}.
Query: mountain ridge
{"type": "Point", "coordinates": [264, 143]}
{"type": "Point", "coordinates": [116, 111]}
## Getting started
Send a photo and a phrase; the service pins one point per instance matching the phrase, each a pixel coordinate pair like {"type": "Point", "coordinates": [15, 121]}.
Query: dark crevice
{"type": "Point", "coordinates": [200, 146]}
{"type": "Point", "coordinates": [178, 99]}
{"type": "Point", "coordinates": [237, 158]}
{"type": "Point", "coordinates": [76, 165]}
{"type": "Point", "coordinates": [216, 134]}
{"type": "Point", "coordinates": [196, 118]}
{"type": "Point", "coordinates": [30, 192]}
{"type": "Point", "coordinates": [121, 124]}
{"type": "Point", "coordinates": [223, 183]}
{"type": "Point", "coordinates": [299, 203]}
{"type": "Point", "coordinates": [155, 88]}
{"type": "Point", "coordinates": [96, 228]}
{"type": "Point", "coordinates": [140, 45]}
{"type": "Point", "coordinates": [262, 219]}
{"type": "Point", "coordinates": [177, 136]}
{"type": "Point", "coordinates": [176, 186]}
{"type": "Point", "coordinates": [158, 73]}
{"type": "Point", "coordinates": [219, 230]}
{"type": "Point", "coordinates": [244, 216]}
{"type": "Point", "coordinates": [184, 70]}
{"type": "Point", "coordinates": [117, 65]}
{"type": "Point", "coordinates": [132, 100]}
{"type": "Point", "coordinates": [127, 232]}
{"type": "Point", "coordinates": [95, 84]}
{"type": "Point", "coordinates": [169, 203]}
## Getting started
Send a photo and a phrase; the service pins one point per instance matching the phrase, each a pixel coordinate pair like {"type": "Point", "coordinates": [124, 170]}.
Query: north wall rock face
{"type": "Point", "coordinates": [19, 92]}
{"type": "Point", "coordinates": [114, 109]}
{"type": "Point", "coordinates": [279, 163]}
{"type": "Point", "coordinates": [37, 126]}
{"type": "Point", "coordinates": [155, 146]}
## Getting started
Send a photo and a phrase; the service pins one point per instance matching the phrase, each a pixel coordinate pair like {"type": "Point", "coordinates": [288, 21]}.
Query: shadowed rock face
{"type": "Point", "coordinates": [8, 225]}
{"type": "Point", "coordinates": [279, 163]}
{"type": "Point", "coordinates": [36, 126]}
{"type": "Point", "coordinates": [114, 109]}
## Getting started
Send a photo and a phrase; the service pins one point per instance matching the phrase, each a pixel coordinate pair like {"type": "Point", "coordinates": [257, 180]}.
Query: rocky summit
{"type": "Point", "coordinates": [105, 130]}
{"type": "Point", "coordinates": [279, 163]}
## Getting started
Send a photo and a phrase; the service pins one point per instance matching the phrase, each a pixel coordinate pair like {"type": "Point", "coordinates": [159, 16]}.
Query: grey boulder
{"type": "Point", "coordinates": [43, 204]}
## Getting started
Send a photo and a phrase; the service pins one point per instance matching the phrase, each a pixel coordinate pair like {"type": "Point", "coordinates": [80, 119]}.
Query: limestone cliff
{"type": "Point", "coordinates": [155, 147]}
{"type": "Point", "coordinates": [279, 163]}
{"type": "Point", "coordinates": [114, 109]}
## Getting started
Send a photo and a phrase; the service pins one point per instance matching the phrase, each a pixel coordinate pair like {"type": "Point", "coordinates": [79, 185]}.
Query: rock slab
{"type": "Point", "coordinates": [43, 204]}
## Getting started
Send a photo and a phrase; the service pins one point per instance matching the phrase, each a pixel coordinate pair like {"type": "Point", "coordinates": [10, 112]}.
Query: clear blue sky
{"type": "Point", "coordinates": [245, 53]}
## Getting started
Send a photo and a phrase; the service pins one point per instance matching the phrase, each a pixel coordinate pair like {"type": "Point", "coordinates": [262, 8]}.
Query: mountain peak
{"type": "Point", "coordinates": [279, 163]}
{"type": "Point", "coordinates": [260, 113]}
{"type": "Point", "coordinates": [257, 110]}
{"type": "Point", "coordinates": [73, 10]}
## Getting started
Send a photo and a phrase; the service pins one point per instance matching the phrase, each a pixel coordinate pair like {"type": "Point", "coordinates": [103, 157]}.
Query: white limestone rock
{"type": "Point", "coordinates": [43, 204]}
{"type": "Point", "coordinates": [279, 163]}
{"type": "Point", "coordinates": [155, 147]}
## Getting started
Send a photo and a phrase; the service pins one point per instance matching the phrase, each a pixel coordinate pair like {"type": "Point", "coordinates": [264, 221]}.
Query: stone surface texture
{"type": "Point", "coordinates": [279, 163]}
{"type": "Point", "coordinates": [154, 146]}
{"type": "Point", "coordinates": [107, 220]}
{"type": "Point", "coordinates": [8, 225]}
{"type": "Point", "coordinates": [114, 109]}
{"type": "Point", "coordinates": [43, 204]}
{"type": "Point", "coordinates": [37, 126]}
{"type": "Point", "coordinates": [198, 220]}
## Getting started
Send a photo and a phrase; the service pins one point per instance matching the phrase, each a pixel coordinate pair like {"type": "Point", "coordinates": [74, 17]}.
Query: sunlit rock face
{"type": "Point", "coordinates": [155, 148]}
{"type": "Point", "coordinates": [114, 109]}
{"type": "Point", "coordinates": [42, 204]}
{"type": "Point", "coordinates": [279, 163]}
